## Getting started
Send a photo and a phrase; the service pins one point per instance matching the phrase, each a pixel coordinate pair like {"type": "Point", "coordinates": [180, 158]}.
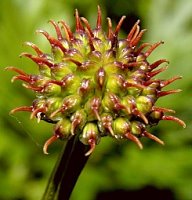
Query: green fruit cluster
{"type": "Point", "coordinates": [94, 84]}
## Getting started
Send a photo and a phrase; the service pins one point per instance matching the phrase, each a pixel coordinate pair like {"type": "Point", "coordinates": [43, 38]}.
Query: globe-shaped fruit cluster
{"type": "Point", "coordinates": [94, 84]}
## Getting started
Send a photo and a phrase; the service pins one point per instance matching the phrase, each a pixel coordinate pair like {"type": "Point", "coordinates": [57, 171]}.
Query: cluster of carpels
{"type": "Point", "coordinates": [94, 84]}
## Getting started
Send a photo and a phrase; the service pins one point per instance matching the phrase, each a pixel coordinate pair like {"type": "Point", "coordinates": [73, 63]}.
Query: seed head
{"type": "Point", "coordinates": [93, 84]}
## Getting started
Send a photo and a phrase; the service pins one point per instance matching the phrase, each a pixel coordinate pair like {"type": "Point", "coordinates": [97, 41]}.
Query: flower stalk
{"type": "Point", "coordinates": [67, 170]}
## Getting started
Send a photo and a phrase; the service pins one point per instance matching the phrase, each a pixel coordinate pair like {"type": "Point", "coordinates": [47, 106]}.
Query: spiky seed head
{"type": "Point", "coordinates": [93, 84]}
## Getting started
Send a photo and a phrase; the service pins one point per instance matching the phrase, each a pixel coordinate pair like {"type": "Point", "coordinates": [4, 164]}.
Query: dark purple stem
{"type": "Point", "coordinates": [67, 170]}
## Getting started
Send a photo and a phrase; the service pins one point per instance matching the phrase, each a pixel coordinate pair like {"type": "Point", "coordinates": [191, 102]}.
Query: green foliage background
{"type": "Point", "coordinates": [24, 170]}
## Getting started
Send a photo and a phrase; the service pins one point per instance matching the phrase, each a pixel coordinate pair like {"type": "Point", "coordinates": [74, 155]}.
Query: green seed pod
{"type": "Point", "coordinates": [93, 109]}
{"type": "Point", "coordinates": [107, 103]}
{"type": "Point", "coordinates": [129, 103]}
{"type": "Point", "coordinates": [60, 70]}
{"type": "Point", "coordinates": [86, 90]}
{"type": "Point", "coordinates": [121, 126]}
{"type": "Point", "coordinates": [133, 90]}
{"type": "Point", "coordinates": [115, 85]}
{"type": "Point", "coordinates": [53, 103]}
{"type": "Point", "coordinates": [90, 131]}
{"type": "Point", "coordinates": [144, 104]}
{"type": "Point", "coordinates": [151, 90]}
{"type": "Point", "coordinates": [71, 84]}
{"type": "Point", "coordinates": [71, 103]}
{"type": "Point", "coordinates": [109, 67]}
{"type": "Point", "coordinates": [137, 128]}
{"type": "Point", "coordinates": [105, 124]}
{"type": "Point", "coordinates": [51, 89]}
{"type": "Point", "coordinates": [63, 128]}
{"type": "Point", "coordinates": [90, 136]}
{"type": "Point", "coordinates": [141, 57]}
{"type": "Point", "coordinates": [155, 116]}
{"type": "Point", "coordinates": [78, 120]}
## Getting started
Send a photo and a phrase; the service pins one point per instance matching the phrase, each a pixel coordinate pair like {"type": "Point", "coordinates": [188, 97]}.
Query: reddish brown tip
{"type": "Point", "coordinates": [99, 19]}
{"type": "Point", "coordinates": [22, 108]}
{"type": "Point", "coordinates": [152, 48]}
{"type": "Point", "coordinates": [132, 31]}
{"type": "Point", "coordinates": [119, 25]}
{"type": "Point", "coordinates": [152, 137]}
{"type": "Point", "coordinates": [92, 144]}
{"type": "Point", "coordinates": [37, 50]}
{"type": "Point", "coordinates": [49, 142]}
{"type": "Point", "coordinates": [57, 29]}
{"type": "Point", "coordinates": [110, 31]}
{"type": "Point", "coordinates": [68, 32]}
{"type": "Point", "coordinates": [137, 38]}
{"type": "Point", "coordinates": [79, 26]}
{"type": "Point", "coordinates": [53, 42]}
{"type": "Point", "coordinates": [19, 71]}
{"type": "Point", "coordinates": [172, 118]}
{"type": "Point", "coordinates": [134, 139]}
{"type": "Point", "coordinates": [165, 93]}
{"type": "Point", "coordinates": [87, 26]}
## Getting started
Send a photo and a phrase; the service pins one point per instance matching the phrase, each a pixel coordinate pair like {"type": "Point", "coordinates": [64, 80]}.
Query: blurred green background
{"type": "Point", "coordinates": [114, 168]}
